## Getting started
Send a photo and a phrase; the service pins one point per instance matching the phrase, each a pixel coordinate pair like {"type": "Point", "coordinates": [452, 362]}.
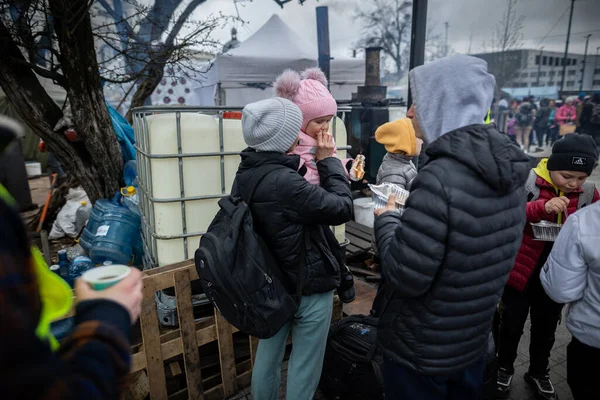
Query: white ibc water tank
{"type": "Point", "coordinates": [340, 135]}
{"type": "Point", "coordinates": [203, 176]}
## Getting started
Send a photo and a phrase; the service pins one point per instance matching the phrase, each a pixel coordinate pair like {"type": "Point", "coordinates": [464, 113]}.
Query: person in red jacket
{"type": "Point", "coordinates": [556, 189]}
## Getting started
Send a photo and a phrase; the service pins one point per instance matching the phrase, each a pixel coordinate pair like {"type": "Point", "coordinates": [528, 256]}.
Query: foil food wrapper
{"type": "Point", "coordinates": [382, 193]}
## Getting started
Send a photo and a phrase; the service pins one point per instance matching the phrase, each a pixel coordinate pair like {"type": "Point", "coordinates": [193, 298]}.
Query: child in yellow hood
{"type": "Point", "coordinates": [402, 145]}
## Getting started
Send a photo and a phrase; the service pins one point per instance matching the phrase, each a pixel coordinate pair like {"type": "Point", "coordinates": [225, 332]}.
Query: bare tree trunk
{"type": "Point", "coordinates": [145, 89]}
{"type": "Point", "coordinates": [98, 152]}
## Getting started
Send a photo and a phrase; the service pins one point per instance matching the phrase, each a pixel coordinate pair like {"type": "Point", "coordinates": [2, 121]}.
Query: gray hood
{"type": "Point", "coordinates": [451, 93]}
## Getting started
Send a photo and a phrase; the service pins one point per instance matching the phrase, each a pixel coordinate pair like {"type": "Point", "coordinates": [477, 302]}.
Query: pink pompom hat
{"type": "Point", "coordinates": [308, 91]}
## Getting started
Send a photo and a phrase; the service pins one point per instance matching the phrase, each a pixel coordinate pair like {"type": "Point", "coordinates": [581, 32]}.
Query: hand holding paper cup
{"type": "Point", "coordinates": [100, 278]}
{"type": "Point", "coordinates": [117, 283]}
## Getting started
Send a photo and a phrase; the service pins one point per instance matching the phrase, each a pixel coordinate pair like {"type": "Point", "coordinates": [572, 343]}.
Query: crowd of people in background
{"type": "Point", "coordinates": [536, 125]}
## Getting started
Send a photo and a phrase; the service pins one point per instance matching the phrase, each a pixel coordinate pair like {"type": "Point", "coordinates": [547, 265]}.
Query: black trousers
{"type": "Point", "coordinates": [402, 383]}
{"type": "Point", "coordinates": [552, 135]}
{"type": "Point", "coordinates": [540, 131]}
{"type": "Point", "coordinates": [583, 370]}
{"type": "Point", "coordinates": [545, 315]}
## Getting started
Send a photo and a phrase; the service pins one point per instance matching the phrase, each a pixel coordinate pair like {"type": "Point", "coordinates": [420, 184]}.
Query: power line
{"type": "Point", "coordinates": [564, 34]}
{"type": "Point", "coordinates": [554, 26]}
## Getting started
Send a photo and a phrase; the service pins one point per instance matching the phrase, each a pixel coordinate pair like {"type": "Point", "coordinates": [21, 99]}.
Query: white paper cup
{"type": "Point", "coordinates": [100, 278]}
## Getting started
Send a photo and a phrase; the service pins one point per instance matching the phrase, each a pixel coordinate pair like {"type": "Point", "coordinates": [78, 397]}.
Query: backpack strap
{"type": "Point", "coordinates": [262, 172]}
{"type": "Point", "coordinates": [587, 196]}
{"type": "Point", "coordinates": [533, 190]}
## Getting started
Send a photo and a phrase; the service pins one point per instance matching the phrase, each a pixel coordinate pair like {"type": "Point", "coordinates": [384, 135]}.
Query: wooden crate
{"type": "Point", "coordinates": [148, 369]}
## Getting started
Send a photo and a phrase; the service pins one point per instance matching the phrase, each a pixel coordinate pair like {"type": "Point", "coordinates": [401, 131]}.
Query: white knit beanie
{"type": "Point", "coordinates": [271, 125]}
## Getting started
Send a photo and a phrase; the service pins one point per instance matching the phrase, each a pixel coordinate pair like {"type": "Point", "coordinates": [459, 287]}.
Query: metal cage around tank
{"type": "Point", "coordinates": [147, 200]}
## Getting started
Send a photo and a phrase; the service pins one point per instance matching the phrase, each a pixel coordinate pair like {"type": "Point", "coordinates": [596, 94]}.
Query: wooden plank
{"type": "Point", "coordinates": [216, 393]}
{"type": "Point", "coordinates": [358, 233]}
{"type": "Point", "coordinates": [253, 349]}
{"type": "Point", "coordinates": [353, 250]}
{"type": "Point", "coordinates": [361, 243]}
{"type": "Point", "coordinates": [152, 347]}
{"type": "Point", "coordinates": [164, 279]}
{"type": "Point", "coordinates": [174, 347]}
{"type": "Point", "coordinates": [355, 225]}
{"type": "Point", "coordinates": [137, 386]}
{"type": "Point", "coordinates": [226, 355]}
{"type": "Point", "coordinates": [168, 268]}
{"type": "Point", "coordinates": [185, 314]}
{"type": "Point", "coordinates": [175, 368]}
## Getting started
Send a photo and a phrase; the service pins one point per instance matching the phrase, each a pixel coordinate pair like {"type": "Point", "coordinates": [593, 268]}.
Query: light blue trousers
{"type": "Point", "coordinates": [309, 327]}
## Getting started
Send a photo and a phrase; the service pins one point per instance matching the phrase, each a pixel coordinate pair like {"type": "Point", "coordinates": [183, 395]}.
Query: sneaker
{"type": "Point", "coordinates": [503, 383]}
{"type": "Point", "coordinates": [542, 385]}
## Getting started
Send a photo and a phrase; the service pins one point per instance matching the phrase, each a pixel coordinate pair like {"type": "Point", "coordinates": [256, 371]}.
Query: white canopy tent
{"type": "Point", "coordinates": [246, 73]}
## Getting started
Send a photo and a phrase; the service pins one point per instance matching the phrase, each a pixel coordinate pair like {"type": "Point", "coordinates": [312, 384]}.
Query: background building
{"type": "Point", "coordinates": [536, 68]}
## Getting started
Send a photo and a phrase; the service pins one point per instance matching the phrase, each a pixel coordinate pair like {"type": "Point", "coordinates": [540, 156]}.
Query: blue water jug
{"type": "Point", "coordinates": [78, 267]}
{"type": "Point", "coordinates": [100, 208]}
{"type": "Point", "coordinates": [118, 239]}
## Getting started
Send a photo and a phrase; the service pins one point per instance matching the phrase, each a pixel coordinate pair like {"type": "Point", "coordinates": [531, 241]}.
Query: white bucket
{"type": "Point", "coordinates": [363, 211]}
{"type": "Point", "coordinates": [33, 168]}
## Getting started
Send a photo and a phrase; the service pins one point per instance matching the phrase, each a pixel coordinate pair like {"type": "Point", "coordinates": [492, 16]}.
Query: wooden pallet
{"type": "Point", "coordinates": [360, 237]}
{"type": "Point", "coordinates": [158, 349]}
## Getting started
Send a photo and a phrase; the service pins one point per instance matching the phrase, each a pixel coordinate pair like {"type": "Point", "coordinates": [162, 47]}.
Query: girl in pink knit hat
{"type": "Point", "coordinates": [309, 92]}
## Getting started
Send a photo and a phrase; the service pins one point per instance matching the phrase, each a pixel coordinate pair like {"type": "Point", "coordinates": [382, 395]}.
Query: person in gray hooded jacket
{"type": "Point", "coordinates": [572, 275]}
{"type": "Point", "coordinates": [447, 258]}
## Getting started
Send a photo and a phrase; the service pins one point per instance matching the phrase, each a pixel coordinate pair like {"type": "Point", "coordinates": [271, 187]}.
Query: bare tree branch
{"type": "Point", "coordinates": [181, 20]}
{"type": "Point", "coordinates": [507, 37]}
{"type": "Point", "coordinates": [387, 25]}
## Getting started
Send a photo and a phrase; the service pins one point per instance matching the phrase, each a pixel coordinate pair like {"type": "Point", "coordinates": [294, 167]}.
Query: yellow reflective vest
{"type": "Point", "coordinates": [55, 294]}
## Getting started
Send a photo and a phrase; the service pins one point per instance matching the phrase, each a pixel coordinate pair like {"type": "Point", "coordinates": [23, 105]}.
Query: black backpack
{"type": "Point", "coordinates": [352, 364]}
{"type": "Point", "coordinates": [524, 115]}
{"type": "Point", "coordinates": [238, 272]}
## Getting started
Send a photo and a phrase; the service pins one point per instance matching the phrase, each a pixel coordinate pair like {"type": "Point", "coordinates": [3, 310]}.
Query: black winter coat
{"type": "Point", "coordinates": [446, 260]}
{"type": "Point", "coordinates": [286, 207]}
{"type": "Point", "coordinates": [586, 124]}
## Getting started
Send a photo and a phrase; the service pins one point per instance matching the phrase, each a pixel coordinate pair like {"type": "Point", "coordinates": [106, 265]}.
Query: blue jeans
{"type": "Point", "coordinates": [402, 383]}
{"type": "Point", "coordinates": [310, 328]}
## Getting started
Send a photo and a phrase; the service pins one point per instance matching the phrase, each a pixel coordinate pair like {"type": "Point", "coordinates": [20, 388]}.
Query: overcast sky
{"type": "Point", "coordinates": [545, 25]}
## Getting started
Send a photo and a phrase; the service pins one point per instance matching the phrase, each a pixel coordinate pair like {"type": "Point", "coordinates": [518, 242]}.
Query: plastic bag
{"type": "Point", "coordinates": [65, 220]}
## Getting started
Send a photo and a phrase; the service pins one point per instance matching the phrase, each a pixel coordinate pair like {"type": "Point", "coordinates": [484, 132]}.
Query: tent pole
{"type": "Point", "coordinates": [418, 31]}
{"type": "Point", "coordinates": [323, 40]}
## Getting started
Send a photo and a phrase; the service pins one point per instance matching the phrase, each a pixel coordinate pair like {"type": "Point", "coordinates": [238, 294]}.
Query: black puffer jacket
{"type": "Point", "coordinates": [286, 207]}
{"type": "Point", "coordinates": [447, 258]}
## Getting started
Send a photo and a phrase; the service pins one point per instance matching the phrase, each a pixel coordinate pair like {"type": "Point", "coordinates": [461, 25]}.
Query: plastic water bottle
{"type": "Point", "coordinates": [82, 215]}
{"type": "Point", "coordinates": [130, 173]}
{"type": "Point", "coordinates": [131, 199]}
{"type": "Point", "coordinates": [63, 261]}
{"type": "Point", "coordinates": [56, 269]}
{"type": "Point", "coordinates": [78, 267]}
